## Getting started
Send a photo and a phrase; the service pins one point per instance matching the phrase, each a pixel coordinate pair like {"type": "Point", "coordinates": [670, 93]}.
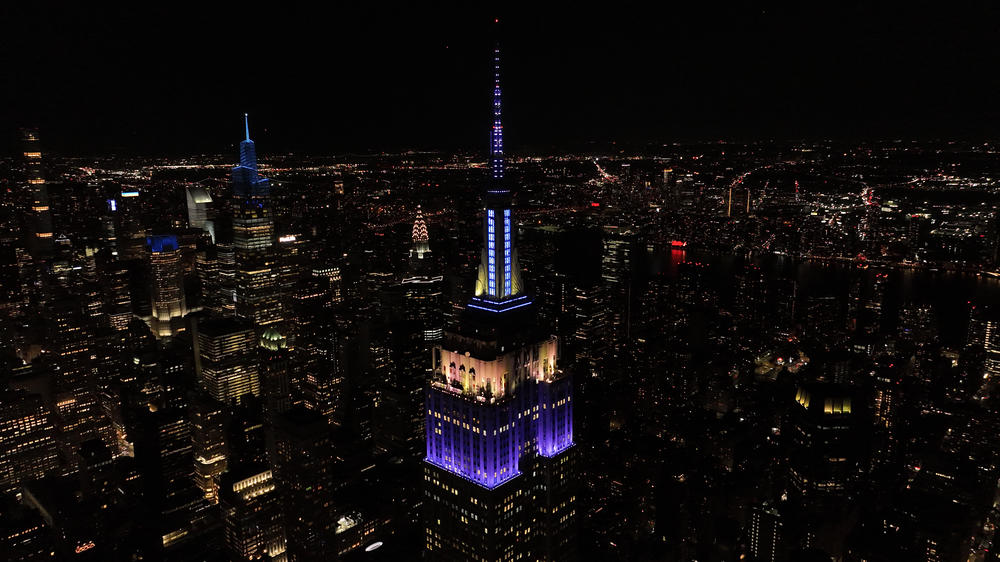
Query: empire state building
{"type": "Point", "coordinates": [499, 473]}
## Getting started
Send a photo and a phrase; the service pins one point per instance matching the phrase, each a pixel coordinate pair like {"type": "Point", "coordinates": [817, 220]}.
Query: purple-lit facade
{"type": "Point", "coordinates": [554, 427]}
{"type": "Point", "coordinates": [500, 470]}
{"type": "Point", "coordinates": [487, 452]}
{"type": "Point", "coordinates": [484, 414]}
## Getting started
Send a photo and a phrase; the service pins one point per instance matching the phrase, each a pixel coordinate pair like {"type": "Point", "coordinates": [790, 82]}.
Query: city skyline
{"type": "Point", "coordinates": [544, 315]}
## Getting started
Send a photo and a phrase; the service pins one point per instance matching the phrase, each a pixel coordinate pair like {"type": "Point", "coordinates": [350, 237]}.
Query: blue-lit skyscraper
{"type": "Point", "coordinates": [257, 292]}
{"type": "Point", "coordinates": [253, 227]}
{"type": "Point", "coordinates": [499, 470]}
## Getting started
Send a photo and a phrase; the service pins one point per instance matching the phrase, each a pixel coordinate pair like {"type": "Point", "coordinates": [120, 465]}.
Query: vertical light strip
{"type": "Point", "coordinates": [491, 252]}
{"type": "Point", "coordinates": [506, 253]}
{"type": "Point", "coordinates": [496, 137]}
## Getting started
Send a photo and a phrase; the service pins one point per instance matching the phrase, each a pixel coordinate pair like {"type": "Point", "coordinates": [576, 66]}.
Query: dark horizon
{"type": "Point", "coordinates": [345, 80]}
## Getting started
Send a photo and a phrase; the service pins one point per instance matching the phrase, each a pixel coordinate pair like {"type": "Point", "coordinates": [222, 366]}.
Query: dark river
{"type": "Point", "coordinates": [951, 294]}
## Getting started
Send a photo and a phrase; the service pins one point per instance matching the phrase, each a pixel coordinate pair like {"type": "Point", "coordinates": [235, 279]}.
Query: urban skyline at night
{"type": "Point", "coordinates": [711, 283]}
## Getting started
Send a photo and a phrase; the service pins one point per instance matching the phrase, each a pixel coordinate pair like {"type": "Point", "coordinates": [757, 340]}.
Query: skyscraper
{"type": "Point", "coordinates": [225, 354]}
{"type": "Point", "coordinates": [117, 300]}
{"type": "Point", "coordinates": [422, 289]}
{"type": "Point", "coordinates": [174, 507]}
{"type": "Point", "coordinates": [257, 290]}
{"type": "Point", "coordinates": [274, 373]}
{"type": "Point", "coordinates": [251, 513]}
{"type": "Point", "coordinates": [199, 206]}
{"type": "Point", "coordinates": [765, 535]}
{"type": "Point", "coordinates": [303, 472]}
{"type": "Point", "coordinates": [39, 217]}
{"type": "Point", "coordinates": [217, 272]}
{"type": "Point", "coordinates": [420, 328]}
{"type": "Point", "coordinates": [167, 295]}
{"type": "Point", "coordinates": [208, 440]}
{"type": "Point", "coordinates": [499, 414]}
{"type": "Point", "coordinates": [130, 234]}
{"type": "Point", "coordinates": [825, 450]}
{"type": "Point", "coordinates": [28, 435]}
{"type": "Point", "coordinates": [984, 328]}
{"type": "Point", "coordinates": [616, 271]}
{"type": "Point", "coordinates": [421, 240]}
{"type": "Point", "coordinates": [74, 348]}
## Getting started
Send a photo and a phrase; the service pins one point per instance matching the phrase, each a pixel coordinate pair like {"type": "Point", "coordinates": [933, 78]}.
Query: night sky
{"type": "Point", "coordinates": [172, 80]}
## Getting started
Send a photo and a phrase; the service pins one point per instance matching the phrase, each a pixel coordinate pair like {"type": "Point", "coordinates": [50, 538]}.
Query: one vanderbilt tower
{"type": "Point", "coordinates": [256, 293]}
{"type": "Point", "coordinates": [500, 468]}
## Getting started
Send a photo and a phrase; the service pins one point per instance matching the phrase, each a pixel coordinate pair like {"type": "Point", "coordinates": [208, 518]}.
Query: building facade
{"type": "Point", "coordinates": [257, 292]}
{"type": "Point", "coordinates": [39, 215]}
{"type": "Point", "coordinates": [226, 362]}
{"type": "Point", "coordinates": [167, 295]}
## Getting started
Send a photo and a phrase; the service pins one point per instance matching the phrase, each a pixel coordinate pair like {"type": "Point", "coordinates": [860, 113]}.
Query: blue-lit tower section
{"type": "Point", "coordinates": [253, 227]}
{"type": "Point", "coordinates": [256, 292]}
{"type": "Point", "coordinates": [498, 284]}
{"type": "Point", "coordinates": [500, 463]}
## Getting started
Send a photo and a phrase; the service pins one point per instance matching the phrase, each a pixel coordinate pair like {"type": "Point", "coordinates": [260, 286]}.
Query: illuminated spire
{"type": "Point", "coordinates": [245, 177]}
{"type": "Point", "coordinates": [421, 240]}
{"type": "Point", "coordinates": [420, 228]}
{"type": "Point", "coordinates": [498, 282]}
{"type": "Point", "coordinates": [248, 152]}
{"type": "Point", "coordinates": [496, 133]}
